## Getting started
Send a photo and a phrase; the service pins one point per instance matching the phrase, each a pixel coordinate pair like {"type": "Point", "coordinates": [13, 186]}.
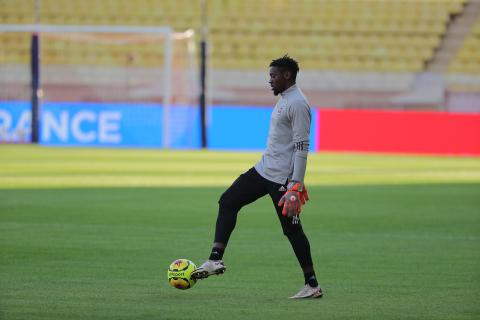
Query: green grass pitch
{"type": "Point", "coordinates": [89, 234]}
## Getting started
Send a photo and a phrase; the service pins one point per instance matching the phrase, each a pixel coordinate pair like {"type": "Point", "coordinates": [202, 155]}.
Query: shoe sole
{"type": "Point", "coordinates": [205, 274]}
{"type": "Point", "coordinates": [316, 295]}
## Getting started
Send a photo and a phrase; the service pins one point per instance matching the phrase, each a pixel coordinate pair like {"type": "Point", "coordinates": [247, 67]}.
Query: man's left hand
{"type": "Point", "coordinates": [293, 199]}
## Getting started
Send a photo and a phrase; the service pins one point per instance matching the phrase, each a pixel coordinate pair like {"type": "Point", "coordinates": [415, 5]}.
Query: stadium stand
{"type": "Point", "coordinates": [395, 36]}
{"type": "Point", "coordinates": [339, 35]}
{"type": "Point", "coordinates": [345, 47]}
{"type": "Point", "coordinates": [468, 58]}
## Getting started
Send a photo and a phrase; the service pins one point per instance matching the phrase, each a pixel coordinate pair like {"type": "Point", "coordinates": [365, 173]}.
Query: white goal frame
{"type": "Point", "coordinates": [168, 33]}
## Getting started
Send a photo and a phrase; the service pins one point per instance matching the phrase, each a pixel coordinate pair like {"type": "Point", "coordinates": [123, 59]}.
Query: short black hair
{"type": "Point", "coordinates": [287, 63]}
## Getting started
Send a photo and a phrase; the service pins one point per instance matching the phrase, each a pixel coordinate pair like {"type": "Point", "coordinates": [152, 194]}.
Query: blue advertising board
{"type": "Point", "coordinates": [101, 124]}
{"type": "Point", "coordinates": [243, 127]}
{"type": "Point", "coordinates": [238, 127]}
{"type": "Point", "coordinates": [15, 122]}
{"type": "Point", "coordinates": [138, 125]}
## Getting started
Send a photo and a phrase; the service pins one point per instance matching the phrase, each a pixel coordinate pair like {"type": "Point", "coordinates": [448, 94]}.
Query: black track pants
{"type": "Point", "coordinates": [249, 187]}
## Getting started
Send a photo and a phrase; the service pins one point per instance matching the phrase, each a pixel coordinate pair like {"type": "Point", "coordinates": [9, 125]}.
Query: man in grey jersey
{"type": "Point", "coordinates": [279, 173]}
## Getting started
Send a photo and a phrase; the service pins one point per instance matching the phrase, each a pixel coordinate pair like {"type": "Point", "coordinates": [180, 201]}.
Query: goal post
{"type": "Point", "coordinates": [115, 64]}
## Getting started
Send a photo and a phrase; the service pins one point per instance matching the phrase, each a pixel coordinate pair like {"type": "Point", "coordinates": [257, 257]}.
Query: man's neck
{"type": "Point", "coordinates": [287, 89]}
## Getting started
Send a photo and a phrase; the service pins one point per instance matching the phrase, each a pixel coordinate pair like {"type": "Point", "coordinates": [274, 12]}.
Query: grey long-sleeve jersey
{"type": "Point", "coordinates": [288, 139]}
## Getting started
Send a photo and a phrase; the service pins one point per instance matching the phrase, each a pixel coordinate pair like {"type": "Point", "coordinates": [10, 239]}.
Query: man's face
{"type": "Point", "coordinates": [278, 80]}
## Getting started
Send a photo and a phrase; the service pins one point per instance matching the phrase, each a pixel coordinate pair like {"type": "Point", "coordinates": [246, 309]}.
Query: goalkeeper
{"type": "Point", "coordinates": [279, 173]}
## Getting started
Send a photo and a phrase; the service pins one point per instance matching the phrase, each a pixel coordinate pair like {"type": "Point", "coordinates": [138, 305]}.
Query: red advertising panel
{"type": "Point", "coordinates": [398, 131]}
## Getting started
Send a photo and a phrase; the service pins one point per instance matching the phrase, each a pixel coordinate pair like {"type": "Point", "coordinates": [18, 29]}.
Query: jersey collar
{"type": "Point", "coordinates": [290, 89]}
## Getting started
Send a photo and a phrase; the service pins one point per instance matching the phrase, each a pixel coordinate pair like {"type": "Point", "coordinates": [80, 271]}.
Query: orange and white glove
{"type": "Point", "coordinates": [293, 199]}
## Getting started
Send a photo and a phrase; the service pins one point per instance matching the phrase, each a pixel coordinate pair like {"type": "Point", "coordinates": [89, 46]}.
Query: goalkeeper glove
{"type": "Point", "coordinates": [293, 199]}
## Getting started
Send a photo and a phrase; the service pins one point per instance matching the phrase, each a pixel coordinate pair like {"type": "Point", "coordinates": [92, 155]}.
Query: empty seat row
{"type": "Point", "coordinates": [357, 34]}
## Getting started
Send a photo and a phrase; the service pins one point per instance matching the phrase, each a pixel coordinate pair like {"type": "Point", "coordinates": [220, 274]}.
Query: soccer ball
{"type": "Point", "coordinates": [179, 274]}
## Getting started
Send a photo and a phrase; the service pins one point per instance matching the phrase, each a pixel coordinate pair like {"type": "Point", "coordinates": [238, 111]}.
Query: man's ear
{"type": "Point", "coordinates": [287, 75]}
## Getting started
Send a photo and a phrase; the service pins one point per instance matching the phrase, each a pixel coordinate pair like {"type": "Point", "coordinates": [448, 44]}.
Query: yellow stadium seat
{"type": "Point", "coordinates": [348, 35]}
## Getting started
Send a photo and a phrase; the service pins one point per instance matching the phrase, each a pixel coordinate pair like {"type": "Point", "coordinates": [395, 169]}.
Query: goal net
{"type": "Point", "coordinates": [150, 74]}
